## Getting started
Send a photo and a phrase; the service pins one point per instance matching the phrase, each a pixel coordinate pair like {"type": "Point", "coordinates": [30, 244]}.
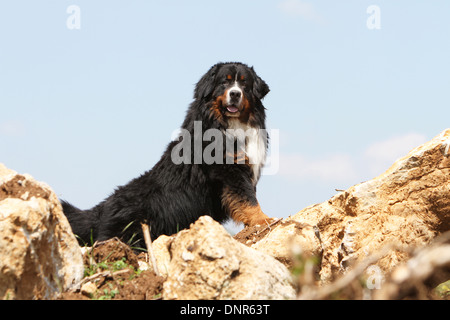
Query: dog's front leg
{"type": "Point", "coordinates": [243, 206]}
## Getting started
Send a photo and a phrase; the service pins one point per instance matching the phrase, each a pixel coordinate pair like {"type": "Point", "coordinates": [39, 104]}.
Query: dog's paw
{"type": "Point", "coordinates": [265, 221]}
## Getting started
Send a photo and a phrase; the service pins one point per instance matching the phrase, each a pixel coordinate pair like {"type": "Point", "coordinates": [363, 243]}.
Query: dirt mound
{"type": "Point", "coordinates": [111, 250]}
{"type": "Point", "coordinates": [113, 271]}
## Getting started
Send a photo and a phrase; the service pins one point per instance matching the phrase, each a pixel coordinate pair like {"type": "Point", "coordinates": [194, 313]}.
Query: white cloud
{"type": "Point", "coordinates": [12, 129]}
{"type": "Point", "coordinates": [350, 169]}
{"type": "Point", "coordinates": [299, 8]}
{"type": "Point", "coordinates": [335, 167]}
{"type": "Point", "coordinates": [381, 155]}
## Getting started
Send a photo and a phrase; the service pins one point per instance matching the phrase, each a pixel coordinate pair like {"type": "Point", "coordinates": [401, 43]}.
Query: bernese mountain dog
{"type": "Point", "coordinates": [186, 184]}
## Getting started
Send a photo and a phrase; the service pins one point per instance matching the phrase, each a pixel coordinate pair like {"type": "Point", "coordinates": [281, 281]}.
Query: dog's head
{"type": "Point", "coordinates": [234, 89]}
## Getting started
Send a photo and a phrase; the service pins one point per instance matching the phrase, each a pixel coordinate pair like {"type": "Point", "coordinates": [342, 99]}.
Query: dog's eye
{"type": "Point", "coordinates": [227, 79]}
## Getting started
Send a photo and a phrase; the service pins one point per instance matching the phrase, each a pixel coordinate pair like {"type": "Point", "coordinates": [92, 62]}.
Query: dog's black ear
{"type": "Point", "coordinates": [260, 87]}
{"type": "Point", "coordinates": [206, 84]}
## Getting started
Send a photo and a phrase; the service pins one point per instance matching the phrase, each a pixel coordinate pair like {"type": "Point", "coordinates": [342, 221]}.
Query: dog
{"type": "Point", "coordinates": [184, 185]}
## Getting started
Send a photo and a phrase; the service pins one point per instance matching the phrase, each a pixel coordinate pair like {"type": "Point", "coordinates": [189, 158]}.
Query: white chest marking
{"type": "Point", "coordinates": [255, 147]}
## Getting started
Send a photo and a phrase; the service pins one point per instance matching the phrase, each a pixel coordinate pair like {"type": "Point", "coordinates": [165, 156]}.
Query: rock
{"type": "Point", "coordinates": [428, 267]}
{"type": "Point", "coordinates": [408, 205]}
{"type": "Point", "coordinates": [88, 289]}
{"type": "Point", "coordinates": [162, 255]}
{"type": "Point", "coordinates": [284, 240]}
{"type": "Point", "coordinates": [39, 255]}
{"type": "Point", "coordinates": [207, 263]}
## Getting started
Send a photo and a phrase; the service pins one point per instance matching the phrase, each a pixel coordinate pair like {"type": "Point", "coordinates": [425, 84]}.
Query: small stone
{"type": "Point", "coordinates": [88, 289]}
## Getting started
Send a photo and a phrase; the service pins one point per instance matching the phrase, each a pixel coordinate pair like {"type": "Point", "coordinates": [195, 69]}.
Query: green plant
{"type": "Point", "coordinates": [443, 290]}
{"type": "Point", "coordinates": [108, 294]}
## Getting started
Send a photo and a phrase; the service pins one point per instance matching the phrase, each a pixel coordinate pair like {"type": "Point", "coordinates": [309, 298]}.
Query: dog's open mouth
{"type": "Point", "coordinates": [232, 108]}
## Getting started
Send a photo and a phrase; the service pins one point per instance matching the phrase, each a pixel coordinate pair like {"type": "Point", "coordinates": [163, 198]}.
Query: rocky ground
{"type": "Point", "coordinates": [387, 238]}
{"type": "Point", "coordinates": [114, 271]}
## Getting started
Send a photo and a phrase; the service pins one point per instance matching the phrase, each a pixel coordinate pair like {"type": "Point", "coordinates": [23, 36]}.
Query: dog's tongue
{"type": "Point", "coordinates": [232, 109]}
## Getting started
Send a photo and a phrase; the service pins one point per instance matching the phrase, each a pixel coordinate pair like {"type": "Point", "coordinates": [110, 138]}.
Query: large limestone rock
{"type": "Point", "coordinates": [39, 255]}
{"type": "Point", "coordinates": [408, 205]}
{"type": "Point", "coordinates": [207, 263]}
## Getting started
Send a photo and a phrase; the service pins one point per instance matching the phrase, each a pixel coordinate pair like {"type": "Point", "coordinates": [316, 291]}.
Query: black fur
{"type": "Point", "coordinates": [170, 197]}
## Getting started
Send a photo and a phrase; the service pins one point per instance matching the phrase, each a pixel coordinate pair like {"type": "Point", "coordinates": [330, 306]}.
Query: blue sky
{"type": "Point", "coordinates": [88, 109]}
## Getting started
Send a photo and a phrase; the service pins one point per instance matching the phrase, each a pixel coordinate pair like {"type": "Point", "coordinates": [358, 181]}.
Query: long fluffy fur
{"type": "Point", "coordinates": [169, 197]}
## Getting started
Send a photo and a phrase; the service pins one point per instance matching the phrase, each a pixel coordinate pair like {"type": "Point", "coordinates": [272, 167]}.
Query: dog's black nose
{"type": "Point", "coordinates": [235, 94]}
